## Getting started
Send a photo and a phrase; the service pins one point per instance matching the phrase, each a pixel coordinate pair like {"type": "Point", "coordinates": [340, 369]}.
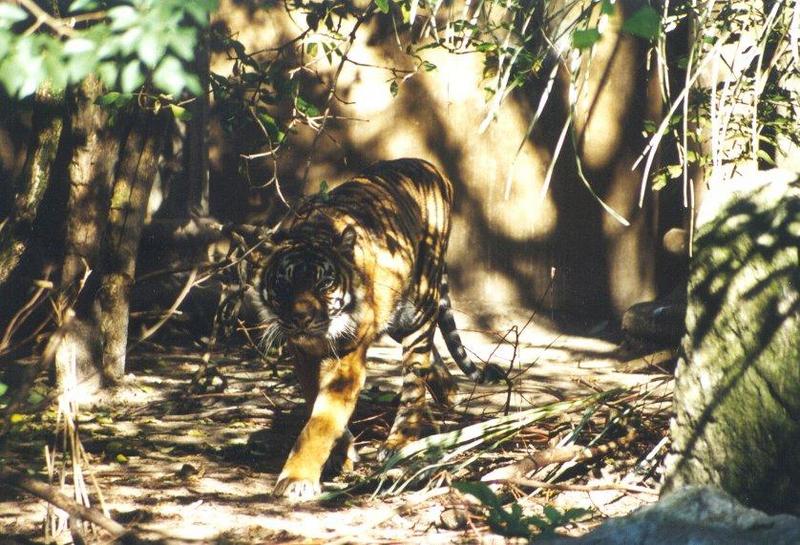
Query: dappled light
{"type": "Point", "coordinates": [398, 271]}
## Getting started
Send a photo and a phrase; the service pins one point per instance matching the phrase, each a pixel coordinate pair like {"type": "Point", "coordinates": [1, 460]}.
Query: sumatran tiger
{"type": "Point", "coordinates": [346, 266]}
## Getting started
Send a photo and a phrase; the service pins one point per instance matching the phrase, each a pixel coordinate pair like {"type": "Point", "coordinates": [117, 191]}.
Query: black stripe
{"type": "Point", "coordinates": [447, 325]}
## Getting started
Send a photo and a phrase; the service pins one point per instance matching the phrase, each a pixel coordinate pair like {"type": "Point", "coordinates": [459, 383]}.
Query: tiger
{"type": "Point", "coordinates": [346, 266]}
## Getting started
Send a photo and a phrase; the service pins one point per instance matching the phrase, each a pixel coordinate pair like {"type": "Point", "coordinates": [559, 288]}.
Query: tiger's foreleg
{"type": "Point", "coordinates": [332, 399]}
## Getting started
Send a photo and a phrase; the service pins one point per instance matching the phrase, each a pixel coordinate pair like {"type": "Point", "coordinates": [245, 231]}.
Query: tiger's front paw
{"type": "Point", "coordinates": [296, 490]}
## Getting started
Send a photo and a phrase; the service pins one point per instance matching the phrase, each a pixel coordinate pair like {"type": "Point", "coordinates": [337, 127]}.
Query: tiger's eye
{"type": "Point", "coordinates": [325, 283]}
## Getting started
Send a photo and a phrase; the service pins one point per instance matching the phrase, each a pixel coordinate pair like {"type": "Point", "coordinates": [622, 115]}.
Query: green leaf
{"type": "Point", "coordinates": [131, 78]}
{"type": "Point", "coordinates": [34, 398]}
{"type": "Point", "coordinates": [660, 181]}
{"type": "Point", "coordinates": [150, 50]}
{"type": "Point", "coordinates": [311, 49]}
{"type": "Point", "coordinates": [645, 23]}
{"type": "Point", "coordinates": [382, 5]}
{"type": "Point", "coordinates": [129, 40]}
{"type": "Point", "coordinates": [77, 46]}
{"type": "Point", "coordinates": [394, 88]}
{"type": "Point", "coordinates": [539, 522]}
{"type": "Point", "coordinates": [170, 76]}
{"type": "Point", "coordinates": [761, 154]}
{"type": "Point", "coordinates": [323, 191]}
{"type": "Point", "coordinates": [674, 171]}
{"type": "Point", "coordinates": [482, 492]}
{"type": "Point", "coordinates": [108, 73]}
{"type": "Point", "coordinates": [3, 388]}
{"type": "Point", "coordinates": [183, 42]}
{"type": "Point", "coordinates": [123, 17]}
{"type": "Point", "coordinates": [574, 514]}
{"type": "Point", "coordinates": [274, 131]}
{"type": "Point", "coordinates": [553, 515]}
{"type": "Point", "coordinates": [607, 7]}
{"type": "Point", "coordinates": [78, 67]}
{"type": "Point", "coordinates": [180, 112]}
{"type": "Point", "coordinates": [405, 11]}
{"type": "Point", "coordinates": [193, 85]}
{"type": "Point", "coordinates": [199, 10]}
{"type": "Point", "coordinates": [428, 66]}
{"type": "Point", "coordinates": [82, 5]}
{"type": "Point", "coordinates": [306, 107]}
{"type": "Point", "coordinates": [581, 39]}
{"type": "Point", "coordinates": [10, 13]}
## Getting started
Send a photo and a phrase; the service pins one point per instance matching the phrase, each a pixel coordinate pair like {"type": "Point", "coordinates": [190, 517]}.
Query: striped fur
{"type": "Point", "coordinates": [365, 259]}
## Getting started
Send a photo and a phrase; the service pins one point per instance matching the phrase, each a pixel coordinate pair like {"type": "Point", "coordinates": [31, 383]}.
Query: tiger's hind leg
{"type": "Point", "coordinates": [420, 373]}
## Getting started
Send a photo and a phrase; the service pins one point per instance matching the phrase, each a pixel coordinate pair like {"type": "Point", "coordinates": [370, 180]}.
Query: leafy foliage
{"type": "Point", "coordinates": [513, 522]}
{"type": "Point", "coordinates": [127, 43]}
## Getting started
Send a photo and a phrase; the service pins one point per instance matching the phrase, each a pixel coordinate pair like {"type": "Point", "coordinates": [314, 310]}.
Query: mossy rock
{"type": "Point", "coordinates": [737, 394]}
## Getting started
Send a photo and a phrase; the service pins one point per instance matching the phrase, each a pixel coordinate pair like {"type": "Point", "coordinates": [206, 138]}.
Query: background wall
{"type": "Point", "coordinates": [513, 245]}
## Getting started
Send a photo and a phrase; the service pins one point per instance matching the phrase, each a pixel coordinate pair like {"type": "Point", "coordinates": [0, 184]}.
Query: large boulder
{"type": "Point", "coordinates": [737, 393]}
{"type": "Point", "coordinates": [692, 516]}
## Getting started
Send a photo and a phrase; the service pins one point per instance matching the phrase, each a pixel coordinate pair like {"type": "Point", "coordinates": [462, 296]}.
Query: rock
{"type": "Point", "coordinates": [658, 323]}
{"type": "Point", "coordinates": [692, 516]}
{"type": "Point", "coordinates": [737, 393]}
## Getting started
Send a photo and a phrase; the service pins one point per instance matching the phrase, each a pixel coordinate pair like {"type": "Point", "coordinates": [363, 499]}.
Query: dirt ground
{"type": "Point", "coordinates": [181, 459]}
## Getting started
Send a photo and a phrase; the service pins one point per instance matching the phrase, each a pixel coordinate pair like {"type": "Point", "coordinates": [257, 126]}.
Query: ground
{"type": "Point", "coordinates": [187, 459]}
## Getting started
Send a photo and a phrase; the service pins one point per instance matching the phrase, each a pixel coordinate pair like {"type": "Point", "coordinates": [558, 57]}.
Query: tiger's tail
{"type": "Point", "coordinates": [447, 325]}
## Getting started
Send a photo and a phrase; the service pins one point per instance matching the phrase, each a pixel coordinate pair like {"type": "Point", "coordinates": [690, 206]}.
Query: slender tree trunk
{"type": "Point", "coordinates": [48, 123]}
{"type": "Point", "coordinates": [196, 152]}
{"type": "Point", "coordinates": [134, 179]}
{"type": "Point", "coordinates": [91, 173]}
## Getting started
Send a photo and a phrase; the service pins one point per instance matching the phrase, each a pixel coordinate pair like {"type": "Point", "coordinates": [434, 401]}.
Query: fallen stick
{"type": "Point", "coordinates": [53, 496]}
{"type": "Point", "coordinates": [557, 455]}
{"type": "Point", "coordinates": [535, 483]}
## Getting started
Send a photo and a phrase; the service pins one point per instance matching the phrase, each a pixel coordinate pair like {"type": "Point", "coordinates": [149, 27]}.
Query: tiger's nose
{"type": "Point", "coordinates": [303, 313]}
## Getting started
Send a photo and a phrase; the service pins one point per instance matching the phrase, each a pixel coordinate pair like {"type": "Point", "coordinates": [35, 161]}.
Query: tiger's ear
{"type": "Point", "coordinates": [347, 241]}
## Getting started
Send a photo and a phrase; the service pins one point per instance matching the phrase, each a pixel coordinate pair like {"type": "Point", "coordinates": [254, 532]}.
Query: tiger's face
{"type": "Point", "coordinates": [307, 293]}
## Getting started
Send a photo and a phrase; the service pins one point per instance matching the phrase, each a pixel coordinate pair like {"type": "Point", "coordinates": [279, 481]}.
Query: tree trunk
{"type": "Point", "coordinates": [47, 124]}
{"type": "Point", "coordinates": [196, 152]}
{"type": "Point", "coordinates": [134, 178]}
{"type": "Point", "coordinates": [91, 172]}
{"type": "Point", "coordinates": [737, 392]}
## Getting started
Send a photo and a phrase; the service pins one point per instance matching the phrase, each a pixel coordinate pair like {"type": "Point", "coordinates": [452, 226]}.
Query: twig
{"type": "Point", "coordinates": [332, 91]}
{"type": "Point", "coordinates": [190, 283]}
{"type": "Point", "coordinates": [534, 483]}
{"type": "Point", "coordinates": [558, 455]}
{"type": "Point", "coordinates": [49, 494]}
{"type": "Point", "coordinates": [21, 315]}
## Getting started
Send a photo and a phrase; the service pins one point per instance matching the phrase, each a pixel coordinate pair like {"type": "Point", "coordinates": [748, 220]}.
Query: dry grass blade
{"type": "Point", "coordinates": [481, 433]}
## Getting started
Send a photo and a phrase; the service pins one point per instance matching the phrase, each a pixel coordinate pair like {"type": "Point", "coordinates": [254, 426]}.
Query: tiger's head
{"type": "Point", "coordinates": [306, 290]}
